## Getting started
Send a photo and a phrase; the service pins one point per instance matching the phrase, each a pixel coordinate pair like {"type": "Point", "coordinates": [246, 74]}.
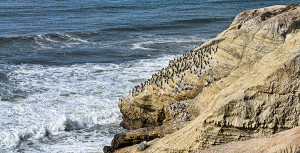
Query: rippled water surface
{"type": "Point", "coordinates": [65, 63]}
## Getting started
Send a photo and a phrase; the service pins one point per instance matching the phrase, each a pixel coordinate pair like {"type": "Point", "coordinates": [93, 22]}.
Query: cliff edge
{"type": "Point", "coordinates": [243, 84]}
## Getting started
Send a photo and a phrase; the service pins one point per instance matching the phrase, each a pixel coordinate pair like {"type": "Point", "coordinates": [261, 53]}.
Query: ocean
{"type": "Point", "coordinates": [64, 64]}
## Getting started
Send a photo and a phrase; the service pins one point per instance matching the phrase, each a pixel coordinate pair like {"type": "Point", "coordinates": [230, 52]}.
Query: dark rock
{"type": "Point", "coordinates": [119, 141]}
{"type": "Point", "coordinates": [108, 149]}
{"type": "Point", "coordinates": [125, 126]}
{"type": "Point", "coordinates": [137, 136]}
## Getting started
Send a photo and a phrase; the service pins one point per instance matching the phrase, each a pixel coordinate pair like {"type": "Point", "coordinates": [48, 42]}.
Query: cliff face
{"type": "Point", "coordinates": [243, 84]}
{"type": "Point", "coordinates": [286, 141]}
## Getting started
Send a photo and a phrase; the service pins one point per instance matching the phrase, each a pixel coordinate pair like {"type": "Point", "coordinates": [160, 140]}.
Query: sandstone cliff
{"type": "Point", "coordinates": [286, 141]}
{"type": "Point", "coordinates": [243, 84]}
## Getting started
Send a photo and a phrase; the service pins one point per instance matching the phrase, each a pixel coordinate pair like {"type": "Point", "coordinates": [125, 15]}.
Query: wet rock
{"type": "Point", "coordinates": [108, 149]}
{"type": "Point", "coordinates": [137, 136]}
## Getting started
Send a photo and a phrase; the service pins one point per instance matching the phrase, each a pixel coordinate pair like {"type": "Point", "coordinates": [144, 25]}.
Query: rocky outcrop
{"type": "Point", "coordinates": [283, 142]}
{"type": "Point", "coordinates": [243, 84]}
{"type": "Point", "coordinates": [286, 141]}
{"type": "Point", "coordinates": [139, 135]}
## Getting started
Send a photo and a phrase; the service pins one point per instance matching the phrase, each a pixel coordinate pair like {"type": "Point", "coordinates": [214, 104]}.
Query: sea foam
{"type": "Point", "coordinates": [67, 106]}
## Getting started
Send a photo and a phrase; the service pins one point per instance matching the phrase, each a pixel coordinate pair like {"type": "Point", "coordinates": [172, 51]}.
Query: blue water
{"type": "Point", "coordinates": [65, 63]}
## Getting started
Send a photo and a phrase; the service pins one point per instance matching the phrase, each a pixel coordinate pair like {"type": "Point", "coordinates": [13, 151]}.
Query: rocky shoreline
{"type": "Point", "coordinates": [243, 84]}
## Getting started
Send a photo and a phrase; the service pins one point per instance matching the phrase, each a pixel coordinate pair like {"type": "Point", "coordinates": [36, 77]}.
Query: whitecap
{"type": "Point", "coordinates": [148, 41]}
{"type": "Point", "coordinates": [61, 101]}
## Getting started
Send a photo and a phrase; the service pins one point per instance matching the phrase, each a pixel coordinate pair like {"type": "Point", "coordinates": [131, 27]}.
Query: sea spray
{"type": "Point", "coordinates": [61, 101]}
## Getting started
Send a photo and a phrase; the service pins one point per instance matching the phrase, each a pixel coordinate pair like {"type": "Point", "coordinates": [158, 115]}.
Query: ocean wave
{"type": "Point", "coordinates": [202, 20]}
{"type": "Point", "coordinates": [10, 140]}
{"type": "Point", "coordinates": [174, 24]}
{"type": "Point", "coordinates": [135, 28]}
{"type": "Point", "coordinates": [97, 8]}
{"type": "Point", "coordinates": [69, 104]}
{"type": "Point", "coordinates": [46, 41]}
{"type": "Point", "coordinates": [150, 43]}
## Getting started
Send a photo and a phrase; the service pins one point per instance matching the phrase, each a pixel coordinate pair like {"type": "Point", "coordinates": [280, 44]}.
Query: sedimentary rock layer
{"type": "Point", "coordinates": [286, 141]}
{"type": "Point", "coordinates": [283, 142]}
{"type": "Point", "coordinates": [242, 84]}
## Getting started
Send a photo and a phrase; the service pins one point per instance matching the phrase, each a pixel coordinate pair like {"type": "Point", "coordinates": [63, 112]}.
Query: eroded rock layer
{"type": "Point", "coordinates": [243, 84]}
{"type": "Point", "coordinates": [286, 141]}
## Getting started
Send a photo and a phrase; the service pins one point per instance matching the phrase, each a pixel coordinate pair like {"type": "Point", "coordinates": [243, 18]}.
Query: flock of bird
{"type": "Point", "coordinates": [197, 62]}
